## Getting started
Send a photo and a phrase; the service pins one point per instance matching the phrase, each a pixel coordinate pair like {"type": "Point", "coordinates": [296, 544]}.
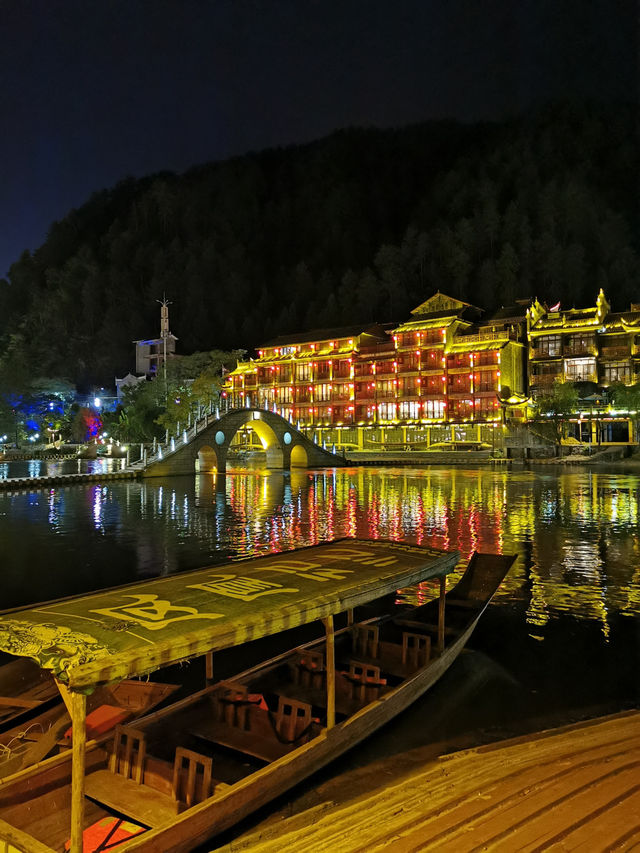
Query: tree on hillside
{"type": "Point", "coordinates": [363, 225]}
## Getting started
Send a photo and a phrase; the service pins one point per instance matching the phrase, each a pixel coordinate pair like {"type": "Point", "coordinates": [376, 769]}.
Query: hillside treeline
{"type": "Point", "coordinates": [357, 227]}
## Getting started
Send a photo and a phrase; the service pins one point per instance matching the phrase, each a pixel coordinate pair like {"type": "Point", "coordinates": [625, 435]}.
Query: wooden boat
{"type": "Point", "coordinates": [24, 689]}
{"type": "Point", "coordinates": [189, 771]}
{"type": "Point", "coordinates": [50, 730]}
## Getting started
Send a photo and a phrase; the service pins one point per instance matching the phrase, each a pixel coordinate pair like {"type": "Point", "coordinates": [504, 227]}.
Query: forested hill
{"type": "Point", "coordinates": [360, 226]}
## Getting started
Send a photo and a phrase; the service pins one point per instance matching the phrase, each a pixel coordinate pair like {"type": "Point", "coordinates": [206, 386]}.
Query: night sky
{"type": "Point", "coordinates": [94, 90]}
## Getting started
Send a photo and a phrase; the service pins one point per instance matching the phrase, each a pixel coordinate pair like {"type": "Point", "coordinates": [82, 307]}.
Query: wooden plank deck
{"type": "Point", "coordinates": [574, 788]}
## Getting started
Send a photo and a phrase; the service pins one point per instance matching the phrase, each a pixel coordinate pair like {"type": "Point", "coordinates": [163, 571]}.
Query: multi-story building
{"type": "Point", "coordinates": [308, 377]}
{"type": "Point", "coordinates": [446, 366]}
{"type": "Point", "coordinates": [442, 366]}
{"type": "Point", "coordinates": [563, 345]}
{"type": "Point", "coordinates": [457, 365]}
{"type": "Point", "coordinates": [152, 354]}
{"type": "Point", "coordinates": [583, 345]}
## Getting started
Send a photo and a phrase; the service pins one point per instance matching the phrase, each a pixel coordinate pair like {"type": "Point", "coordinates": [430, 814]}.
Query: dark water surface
{"type": "Point", "coordinates": [560, 642]}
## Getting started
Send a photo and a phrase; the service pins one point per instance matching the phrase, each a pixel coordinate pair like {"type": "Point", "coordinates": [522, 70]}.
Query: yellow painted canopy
{"type": "Point", "coordinates": [132, 630]}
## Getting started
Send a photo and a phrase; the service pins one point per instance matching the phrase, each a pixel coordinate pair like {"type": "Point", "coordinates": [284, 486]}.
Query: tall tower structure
{"type": "Point", "coordinates": [165, 334]}
{"type": "Point", "coordinates": [151, 354]}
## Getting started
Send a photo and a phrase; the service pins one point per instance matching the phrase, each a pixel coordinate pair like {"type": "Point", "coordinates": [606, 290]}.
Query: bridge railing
{"type": "Point", "coordinates": [171, 445]}
{"type": "Point", "coordinates": [162, 449]}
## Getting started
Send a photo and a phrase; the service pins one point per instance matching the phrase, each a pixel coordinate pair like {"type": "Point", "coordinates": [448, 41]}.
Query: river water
{"type": "Point", "coordinates": [561, 641]}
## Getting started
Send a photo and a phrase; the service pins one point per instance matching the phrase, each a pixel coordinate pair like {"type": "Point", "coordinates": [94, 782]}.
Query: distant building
{"type": "Point", "coordinates": [443, 365]}
{"type": "Point", "coordinates": [127, 382]}
{"type": "Point", "coordinates": [583, 345]}
{"type": "Point", "coordinates": [151, 353]}
{"type": "Point", "coordinates": [447, 366]}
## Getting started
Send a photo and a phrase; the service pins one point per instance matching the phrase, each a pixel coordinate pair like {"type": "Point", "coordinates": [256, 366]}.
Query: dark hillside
{"type": "Point", "coordinates": [359, 226]}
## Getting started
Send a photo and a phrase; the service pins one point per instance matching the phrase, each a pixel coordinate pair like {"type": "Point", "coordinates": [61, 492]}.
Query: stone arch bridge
{"type": "Point", "coordinates": [207, 444]}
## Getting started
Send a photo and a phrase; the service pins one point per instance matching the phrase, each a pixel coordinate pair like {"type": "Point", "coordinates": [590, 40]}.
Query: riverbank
{"type": "Point", "coordinates": [20, 484]}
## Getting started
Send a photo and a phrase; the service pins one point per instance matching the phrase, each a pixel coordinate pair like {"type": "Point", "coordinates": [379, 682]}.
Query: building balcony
{"type": "Point", "coordinates": [546, 380]}
{"type": "Point", "coordinates": [543, 355]}
{"type": "Point", "coordinates": [578, 351]}
{"type": "Point", "coordinates": [615, 353]}
{"type": "Point", "coordinates": [583, 377]}
{"type": "Point", "coordinates": [483, 337]}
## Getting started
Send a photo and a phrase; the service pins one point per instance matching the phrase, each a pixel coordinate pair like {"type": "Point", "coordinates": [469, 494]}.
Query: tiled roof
{"type": "Point", "coordinates": [375, 329]}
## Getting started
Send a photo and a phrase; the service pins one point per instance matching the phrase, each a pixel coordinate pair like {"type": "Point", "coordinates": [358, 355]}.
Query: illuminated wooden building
{"type": "Point", "coordinates": [452, 365]}
{"type": "Point", "coordinates": [308, 378]}
{"type": "Point", "coordinates": [563, 345]}
{"type": "Point", "coordinates": [444, 365]}
{"type": "Point", "coordinates": [583, 345]}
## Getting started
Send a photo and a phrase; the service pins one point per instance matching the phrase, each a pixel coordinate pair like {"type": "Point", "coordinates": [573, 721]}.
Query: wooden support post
{"type": "Point", "coordinates": [77, 706]}
{"type": "Point", "coordinates": [209, 668]}
{"type": "Point", "coordinates": [331, 672]}
{"type": "Point", "coordinates": [443, 590]}
{"type": "Point", "coordinates": [350, 616]}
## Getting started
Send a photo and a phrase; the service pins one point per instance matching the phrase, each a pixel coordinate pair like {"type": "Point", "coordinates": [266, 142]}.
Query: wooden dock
{"type": "Point", "coordinates": [574, 788]}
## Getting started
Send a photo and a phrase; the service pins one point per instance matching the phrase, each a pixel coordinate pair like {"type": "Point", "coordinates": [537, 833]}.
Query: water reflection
{"type": "Point", "coordinates": [52, 467]}
{"type": "Point", "coordinates": [575, 533]}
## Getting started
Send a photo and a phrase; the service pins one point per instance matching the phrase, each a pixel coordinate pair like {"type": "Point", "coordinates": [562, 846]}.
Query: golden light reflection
{"type": "Point", "coordinates": [571, 532]}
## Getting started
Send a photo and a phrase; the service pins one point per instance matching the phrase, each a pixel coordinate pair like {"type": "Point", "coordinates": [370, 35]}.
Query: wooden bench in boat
{"type": "Point", "coordinates": [239, 722]}
{"type": "Point", "coordinates": [149, 789]}
{"type": "Point", "coordinates": [308, 668]}
{"type": "Point", "coordinates": [399, 660]}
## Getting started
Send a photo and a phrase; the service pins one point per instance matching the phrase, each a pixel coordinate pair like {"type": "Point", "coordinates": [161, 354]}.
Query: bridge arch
{"type": "Point", "coordinates": [299, 457]}
{"type": "Point", "coordinates": [209, 443]}
{"type": "Point", "coordinates": [206, 460]}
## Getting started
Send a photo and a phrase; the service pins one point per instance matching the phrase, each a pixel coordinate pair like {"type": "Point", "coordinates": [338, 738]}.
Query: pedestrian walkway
{"type": "Point", "coordinates": [574, 788]}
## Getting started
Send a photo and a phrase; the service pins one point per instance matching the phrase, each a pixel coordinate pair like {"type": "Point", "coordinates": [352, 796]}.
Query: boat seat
{"type": "Point", "coordinates": [292, 718]}
{"type": "Point", "coordinates": [231, 704]}
{"type": "Point", "coordinates": [366, 640]}
{"type": "Point", "coordinates": [128, 755]}
{"type": "Point", "coordinates": [198, 770]}
{"type": "Point", "coordinates": [416, 650]}
{"type": "Point", "coordinates": [308, 668]}
{"type": "Point", "coordinates": [365, 681]}
{"type": "Point", "coordinates": [423, 627]}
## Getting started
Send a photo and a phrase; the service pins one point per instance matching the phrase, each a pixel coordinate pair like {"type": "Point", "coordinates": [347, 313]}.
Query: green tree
{"type": "Point", "coordinates": [554, 410]}
{"type": "Point", "coordinates": [194, 383]}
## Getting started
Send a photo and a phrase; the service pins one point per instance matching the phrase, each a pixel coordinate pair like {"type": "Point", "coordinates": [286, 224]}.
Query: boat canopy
{"type": "Point", "coordinates": [132, 630]}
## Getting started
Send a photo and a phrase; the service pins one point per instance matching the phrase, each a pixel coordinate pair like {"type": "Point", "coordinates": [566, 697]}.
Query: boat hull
{"type": "Point", "coordinates": [221, 812]}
